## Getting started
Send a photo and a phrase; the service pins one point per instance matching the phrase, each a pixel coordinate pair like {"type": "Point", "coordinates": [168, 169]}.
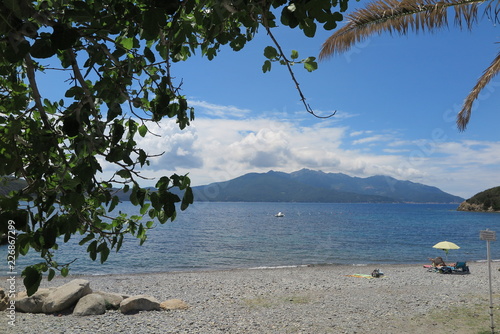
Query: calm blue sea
{"type": "Point", "coordinates": [248, 235]}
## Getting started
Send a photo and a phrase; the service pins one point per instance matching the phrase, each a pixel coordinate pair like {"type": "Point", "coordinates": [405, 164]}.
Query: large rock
{"type": "Point", "coordinates": [139, 303]}
{"type": "Point", "coordinates": [174, 304]}
{"type": "Point", "coordinates": [33, 303]}
{"type": "Point", "coordinates": [66, 296]}
{"type": "Point", "coordinates": [112, 300]}
{"type": "Point", "coordinates": [475, 207]}
{"type": "Point", "coordinates": [92, 304]}
{"type": "Point", "coordinates": [4, 300]}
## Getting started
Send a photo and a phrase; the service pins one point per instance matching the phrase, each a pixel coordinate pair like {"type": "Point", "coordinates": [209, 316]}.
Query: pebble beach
{"type": "Point", "coordinates": [307, 299]}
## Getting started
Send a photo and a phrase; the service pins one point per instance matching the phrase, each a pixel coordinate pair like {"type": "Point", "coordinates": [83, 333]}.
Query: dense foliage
{"type": "Point", "coordinates": [487, 199]}
{"type": "Point", "coordinates": [114, 59]}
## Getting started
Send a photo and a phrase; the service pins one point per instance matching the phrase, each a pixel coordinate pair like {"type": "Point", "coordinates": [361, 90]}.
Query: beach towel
{"type": "Point", "coordinates": [361, 275]}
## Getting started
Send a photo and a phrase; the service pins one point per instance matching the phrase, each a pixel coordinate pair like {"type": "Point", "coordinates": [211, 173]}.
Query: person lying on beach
{"type": "Point", "coordinates": [437, 262]}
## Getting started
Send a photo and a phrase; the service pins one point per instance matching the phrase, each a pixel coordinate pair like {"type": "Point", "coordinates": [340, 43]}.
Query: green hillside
{"type": "Point", "coordinates": [488, 200]}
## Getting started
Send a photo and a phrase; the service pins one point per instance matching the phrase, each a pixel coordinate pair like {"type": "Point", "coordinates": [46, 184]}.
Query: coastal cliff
{"type": "Point", "coordinates": [485, 201]}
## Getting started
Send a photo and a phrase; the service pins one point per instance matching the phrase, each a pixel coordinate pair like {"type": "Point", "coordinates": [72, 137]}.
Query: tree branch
{"type": "Point", "coordinates": [30, 72]}
{"type": "Point", "coordinates": [292, 74]}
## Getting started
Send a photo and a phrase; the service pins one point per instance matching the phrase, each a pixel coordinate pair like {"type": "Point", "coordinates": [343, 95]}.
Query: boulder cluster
{"type": "Point", "coordinates": [475, 207]}
{"type": "Point", "coordinates": [78, 298]}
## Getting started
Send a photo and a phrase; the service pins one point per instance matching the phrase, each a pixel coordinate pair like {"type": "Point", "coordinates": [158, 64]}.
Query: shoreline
{"type": "Point", "coordinates": [306, 299]}
{"type": "Point", "coordinates": [202, 270]}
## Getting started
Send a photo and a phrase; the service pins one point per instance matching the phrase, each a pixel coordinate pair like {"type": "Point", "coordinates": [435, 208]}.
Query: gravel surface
{"type": "Point", "coordinates": [313, 299]}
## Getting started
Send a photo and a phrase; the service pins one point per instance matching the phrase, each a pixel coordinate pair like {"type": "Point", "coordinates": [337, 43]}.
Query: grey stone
{"type": "Point", "coordinates": [112, 300]}
{"type": "Point", "coordinates": [139, 303]}
{"type": "Point", "coordinates": [66, 296]}
{"type": "Point", "coordinates": [33, 303]}
{"type": "Point", "coordinates": [92, 304]}
{"type": "Point", "coordinates": [174, 304]}
{"type": "Point", "coordinates": [4, 300]}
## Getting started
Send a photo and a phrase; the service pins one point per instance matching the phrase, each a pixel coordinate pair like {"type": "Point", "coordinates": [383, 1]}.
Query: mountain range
{"type": "Point", "coordinates": [305, 186]}
{"type": "Point", "coordinates": [316, 186]}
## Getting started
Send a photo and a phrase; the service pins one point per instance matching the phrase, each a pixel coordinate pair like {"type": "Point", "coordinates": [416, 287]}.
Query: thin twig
{"type": "Point", "coordinates": [292, 74]}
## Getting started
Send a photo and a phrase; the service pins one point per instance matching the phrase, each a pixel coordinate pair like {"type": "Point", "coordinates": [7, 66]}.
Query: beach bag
{"type": "Point", "coordinates": [445, 270]}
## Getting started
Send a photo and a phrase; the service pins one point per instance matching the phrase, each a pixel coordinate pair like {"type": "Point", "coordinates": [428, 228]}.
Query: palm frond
{"type": "Point", "coordinates": [463, 116]}
{"type": "Point", "coordinates": [396, 16]}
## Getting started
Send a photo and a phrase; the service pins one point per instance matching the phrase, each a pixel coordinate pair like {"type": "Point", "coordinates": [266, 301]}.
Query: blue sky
{"type": "Point", "coordinates": [396, 100]}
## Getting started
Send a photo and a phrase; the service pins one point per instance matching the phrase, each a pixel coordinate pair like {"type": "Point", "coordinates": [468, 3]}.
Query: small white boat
{"type": "Point", "coordinates": [280, 214]}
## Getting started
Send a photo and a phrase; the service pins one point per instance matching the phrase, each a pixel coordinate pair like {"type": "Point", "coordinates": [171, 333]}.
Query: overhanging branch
{"type": "Point", "coordinates": [292, 74]}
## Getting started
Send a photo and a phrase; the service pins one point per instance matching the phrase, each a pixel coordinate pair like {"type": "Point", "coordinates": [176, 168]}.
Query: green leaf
{"type": "Point", "coordinates": [49, 236]}
{"type": "Point", "coordinates": [143, 157]}
{"type": "Point", "coordinates": [51, 275]}
{"type": "Point", "coordinates": [89, 237]}
{"type": "Point", "coordinates": [295, 54]}
{"type": "Point", "coordinates": [64, 271]}
{"type": "Point", "coordinates": [63, 37]}
{"type": "Point", "coordinates": [42, 48]}
{"type": "Point", "coordinates": [124, 173]}
{"type": "Point", "coordinates": [75, 91]}
{"type": "Point", "coordinates": [288, 18]}
{"type": "Point", "coordinates": [270, 53]}
{"type": "Point", "coordinates": [187, 199]}
{"type": "Point", "coordinates": [309, 27]}
{"type": "Point", "coordinates": [266, 67]}
{"type": "Point", "coordinates": [114, 203]}
{"type": "Point", "coordinates": [144, 208]}
{"type": "Point", "coordinates": [310, 64]}
{"type": "Point", "coordinates": [143, 130]}
{"type": "Point", "coordinates": [152, 20]}
{"type": "Point", "coordinates": [23, 241]}
{"type": "Point", "coordinates": [92, 250]}
{"type": "Point", "coordinates": [149, 55]}
{"type": "Point", "coordinates": [104, 251]}
{"type": "Point", "coordinates": [127, 43]}
{"type": "Point", "coordinates": [32, 279]}
{"type": "Point", "coordinates": [114, 110]}
{"type": "Point", "coordinates": [330, 25]}
{"type": "Point", "coordinates": [155, 200]}
{"type": "Point", "coordinates": [119, 243]}
{"type": "Point", "coordinates": [117, 132]}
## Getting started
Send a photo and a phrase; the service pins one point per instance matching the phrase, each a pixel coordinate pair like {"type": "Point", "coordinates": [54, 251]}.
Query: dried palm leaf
{"type": "Point", "coordinates": [396, 16]}
{"type": "Point", "coordinates": [463, 116]}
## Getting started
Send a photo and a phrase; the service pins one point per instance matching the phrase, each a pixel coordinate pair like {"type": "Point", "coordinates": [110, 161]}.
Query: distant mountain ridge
{"type": "Point", "coordinates": [304, 186]}
{"type": "Point", "coordinates": [316, 186]}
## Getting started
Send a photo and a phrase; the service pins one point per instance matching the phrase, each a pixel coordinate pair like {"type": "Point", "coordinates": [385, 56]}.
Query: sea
{"type": "Point", "coordinates": [221, 236]}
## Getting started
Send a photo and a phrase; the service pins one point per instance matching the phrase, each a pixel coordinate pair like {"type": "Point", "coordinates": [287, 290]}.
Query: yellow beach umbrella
{"type": "Point", "coordinates": [446, 246]}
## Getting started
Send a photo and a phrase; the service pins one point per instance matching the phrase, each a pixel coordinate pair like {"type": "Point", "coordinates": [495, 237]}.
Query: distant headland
{"type": "Point", "coordinates": [485, 201]}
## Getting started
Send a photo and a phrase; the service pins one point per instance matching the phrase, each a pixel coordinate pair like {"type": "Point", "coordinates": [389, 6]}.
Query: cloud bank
{"type": "Point", "coordinates": [226, 142]}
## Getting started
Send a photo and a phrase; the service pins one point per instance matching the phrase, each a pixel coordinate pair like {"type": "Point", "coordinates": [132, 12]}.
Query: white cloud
{"type": "Point", "coordinates": [359, 133]}
{"type": "Point", "coordinates": [176, 147]}
{"type": "Point", "coordinates": [213, 150]}
{"type": "Point", "coordinates": [371, 139]}
{"type": "Point", "coordinates": [210, 109]}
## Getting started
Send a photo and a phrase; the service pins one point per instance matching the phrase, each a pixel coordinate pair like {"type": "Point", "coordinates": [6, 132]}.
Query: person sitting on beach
{"type": "Point", "coordinates": [437, 262]}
